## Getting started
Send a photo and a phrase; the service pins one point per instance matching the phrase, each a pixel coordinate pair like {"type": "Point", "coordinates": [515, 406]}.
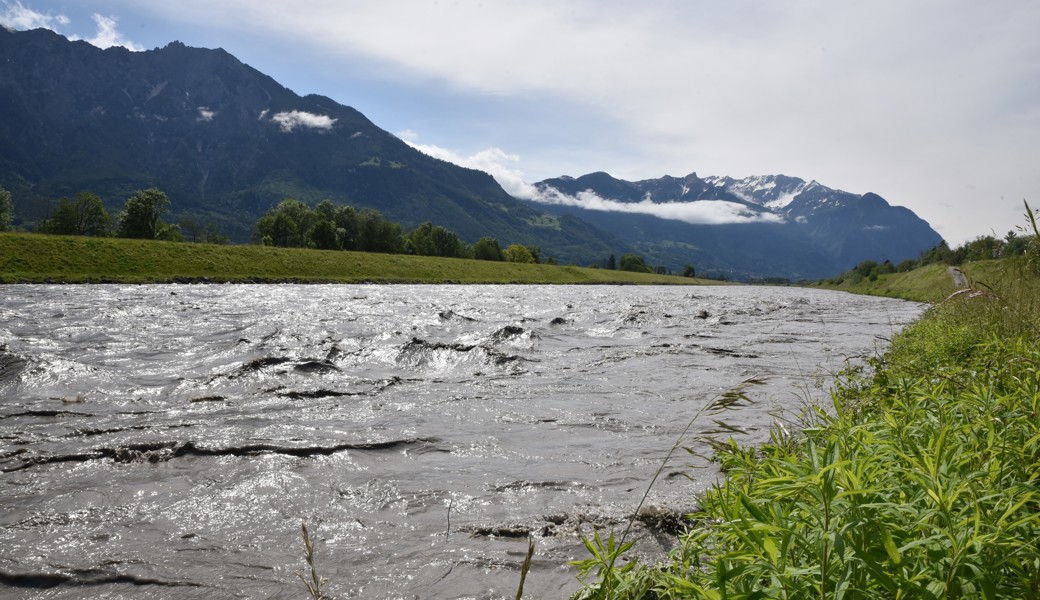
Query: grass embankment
{"type": "Point", "coordinates": [42, 258]}
{"type": "Point", "coordinates": [930, 283]}
{"type": "Point", "coordinates": [921, 483]}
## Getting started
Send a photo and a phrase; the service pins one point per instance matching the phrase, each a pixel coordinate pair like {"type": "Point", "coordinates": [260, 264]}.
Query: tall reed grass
{"type": "Point", "coordinates": [923, 483]}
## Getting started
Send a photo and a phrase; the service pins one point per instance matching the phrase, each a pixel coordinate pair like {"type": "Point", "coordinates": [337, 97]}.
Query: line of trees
{"type": "Point", "coordinates": [330, 226]}
{"type": "Point", "coordinates": [637, 264]}
{"type": "Point", "coordinates": [292, 224]}
{"type": "Point", "coordinates": [141, 218]}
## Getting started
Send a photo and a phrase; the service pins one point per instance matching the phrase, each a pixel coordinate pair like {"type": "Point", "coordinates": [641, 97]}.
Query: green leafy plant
{"type": "Point", "coordinates": [602, 559]}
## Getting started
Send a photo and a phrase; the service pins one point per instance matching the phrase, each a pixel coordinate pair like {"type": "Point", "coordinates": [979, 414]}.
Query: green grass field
{"type": "Point", "coordinates": [40, 258]}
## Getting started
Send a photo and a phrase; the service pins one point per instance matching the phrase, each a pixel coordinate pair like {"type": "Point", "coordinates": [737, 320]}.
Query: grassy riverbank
{"type": "Point", "coordinates": [40, 258]}
{"type": "Point", "coordinates": [930, 283]}
{"type": "Point", "coordinates": [922, 481]}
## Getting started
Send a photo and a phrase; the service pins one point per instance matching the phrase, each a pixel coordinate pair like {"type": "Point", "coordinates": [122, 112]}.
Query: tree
{"type": "Point", "coordinates": [906, 265]}
{"type": "Point", "coordinates": [191, 229]}
{"type": "Point", "coordinates": [85, 215]}
{"type": "Point", "coordinates": [487, 248]}
{"type": "Point", "coordinates": [688, 271]}
{"type": "Point", "coordinates": [346, 221]}
{"type": "Point", "coordinates": [433, 240]}
{"type": "Point", "coordinates": [420, 240]}
{"type": "Point", "coordinates": [376, 234]}
{"type": "Point", "coordinates": [168, 232]}
{"type": "Point", "coordinates": [325, 210]}
{"type": "Point", "coordinates": [518, 254]}
{"type": "Point", "coordinates": [612, 263]}
{"type": "Point", "coordinates": [1015, 245]}
{"type": "Point", "coordinates": [634, 263]}
{"type": "Point", "coordinates": [982, 248]}
{"type": "Point", "coordinates": [940, 253]}
{"type": "Point", "coordinates": [285, 230]}
{"type": "Point", "coordinates": [287, 224]}
{"type": "Point", "coordinates": [447, 243]}
{"type": "Point", "coordinates": [142, 215]}
{"type": "Point", "coordinates": [864, 268]}
{"type": "Point", "coordinates": [212, 235]}
{"type": "Point", "coordinates": [323, 235]}
{"type": "Point", "coordinates": [6, 210]}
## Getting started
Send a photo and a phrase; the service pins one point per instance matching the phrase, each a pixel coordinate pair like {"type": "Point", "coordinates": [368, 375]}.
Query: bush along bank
{"type": "Point", "coordinates": [922, 482]}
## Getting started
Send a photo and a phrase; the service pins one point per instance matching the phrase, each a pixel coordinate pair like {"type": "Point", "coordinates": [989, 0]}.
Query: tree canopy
{"type": "Point", "coordinates": [518, 254]}
{"type": "Point", "coordinates": [142, 216]}
{"type": "Point", "coordinates": [487, 248]}
{"type": "Point", "coordinates": [433, 240]}
{"type": "Point", "coordinates": [634, 263]}
{"type": "Point", "coordinates": [329, 226]}
{"type": "Point", "coordinates": [292, 223]}
{"type": "Point", "coordinates": [83, 215]}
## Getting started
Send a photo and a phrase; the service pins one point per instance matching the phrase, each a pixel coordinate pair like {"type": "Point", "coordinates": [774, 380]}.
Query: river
{"type": "Point", "coordinates": [167, 441]}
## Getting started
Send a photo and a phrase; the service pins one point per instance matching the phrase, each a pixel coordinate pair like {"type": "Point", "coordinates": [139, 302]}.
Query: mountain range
{"type": "Point", "coordinates": [227, 142]}
{"type": "Point", "coordinates": [757, 227]}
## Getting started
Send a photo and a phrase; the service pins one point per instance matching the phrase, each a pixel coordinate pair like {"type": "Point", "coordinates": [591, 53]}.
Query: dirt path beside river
{"type": "Point", "coordinates": [960, 281]}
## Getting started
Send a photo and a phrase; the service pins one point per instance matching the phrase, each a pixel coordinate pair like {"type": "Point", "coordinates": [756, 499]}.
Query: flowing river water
{"type": "Point", "coordinates": [168, 441]}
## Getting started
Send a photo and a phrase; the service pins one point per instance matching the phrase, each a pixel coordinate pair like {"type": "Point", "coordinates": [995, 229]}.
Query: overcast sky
{"type": "Point", "coordinates": [932, 104]}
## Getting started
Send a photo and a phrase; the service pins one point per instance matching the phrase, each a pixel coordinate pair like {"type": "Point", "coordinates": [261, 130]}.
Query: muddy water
{"type": "Point", "coordinates": [168, 441]}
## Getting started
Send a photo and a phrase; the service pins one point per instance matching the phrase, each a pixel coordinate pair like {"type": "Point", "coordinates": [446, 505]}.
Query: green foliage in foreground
{"type": "Point", "coordinates": [38, 258]}
{"type": "Point", "coordinates": [924, 482]}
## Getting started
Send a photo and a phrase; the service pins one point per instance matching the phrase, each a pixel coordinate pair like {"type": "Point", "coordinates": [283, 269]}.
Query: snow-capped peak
{"type": "Point", "coordinates": [773, 192]}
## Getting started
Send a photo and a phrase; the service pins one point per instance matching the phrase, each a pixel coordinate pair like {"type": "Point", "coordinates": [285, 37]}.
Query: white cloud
{"type": "Point", "coordinates": [15, 15]}
{"type": "Point", "coordinates": [107, 35]}
{"type": "Point", "coordinates": [702, 212]}
{"type": "Point", "coordinates": [493, 161]}
{"type": "Point", "coordinates": [205, 114]}
{"type": "Point", "coordinates": [288, 121]}
{"type": "Point", "coordinates": [408, 135]}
